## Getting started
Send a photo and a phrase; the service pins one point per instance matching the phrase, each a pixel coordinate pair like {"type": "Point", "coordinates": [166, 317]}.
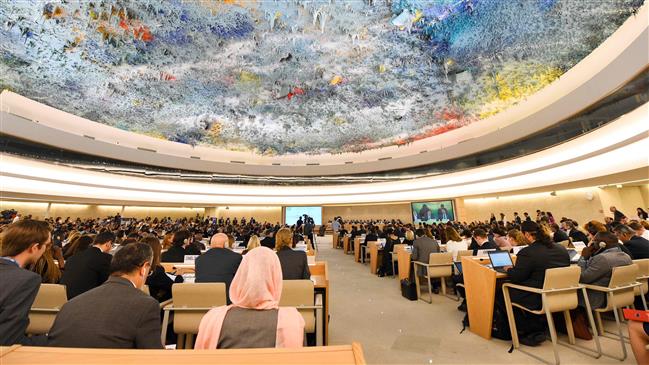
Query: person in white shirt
{"type": "Point", "coordinates": [639, 230]}
{"type": "Point", "coordinates": [454, 243]}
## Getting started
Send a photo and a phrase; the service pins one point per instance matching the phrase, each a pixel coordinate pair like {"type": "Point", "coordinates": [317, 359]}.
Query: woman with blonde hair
{"type": "Point", "coordinates": [294, 263]}
{"type": "Point", "coordinates": [254, 319]}
{"type": "Point", "coordinates": [253, 242]}
{"type": "Point", "coordinates": [167, 241]}
{"type": "Point", "coordinates": [47, 268]}
{"type": "Point", "coordinates": [516, 238]}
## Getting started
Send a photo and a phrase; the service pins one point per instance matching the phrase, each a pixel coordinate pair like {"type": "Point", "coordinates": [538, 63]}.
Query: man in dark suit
{"type": "Point", "coordinates": [23, 243]}
{"type": "Point", "coordinates": [294, 263]}
{"type": "Point", "coordinates": [558, 235]}
{"type": "Point", "coordinates": [268, 240]}
{"type": "Point", "coordinates": [617, 215]}
{"type": "Point", "coordinates": [116, 314]}
{"type": "Point", "coordinates": [218, 264]}
{"type": "Point", "coordinates": [481, 241]}
{"type": "Point", "coordinates": [574, 234]}
{"type": "Point", "coordinates": [636, 245]}
{"type": "Point", "coordinates": [442, 213]}
{"type": "Point", "coordinates": [89, 268]}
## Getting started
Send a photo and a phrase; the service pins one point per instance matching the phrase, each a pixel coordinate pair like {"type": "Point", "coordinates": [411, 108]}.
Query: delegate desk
{"type": "Point", "coordinates": [480, 288]}
{"type": "Point", "coordinates": [345, 354]}
{"type": "Point", "coordinates": [319, 275]}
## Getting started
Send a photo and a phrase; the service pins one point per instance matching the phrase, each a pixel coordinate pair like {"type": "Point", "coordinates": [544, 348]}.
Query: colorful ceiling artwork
{"type": "Point", "coordinates": [280, 77]}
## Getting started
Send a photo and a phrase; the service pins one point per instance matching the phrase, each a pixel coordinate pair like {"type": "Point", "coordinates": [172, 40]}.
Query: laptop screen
{"type": "Point", "coordinates": [500, 259]}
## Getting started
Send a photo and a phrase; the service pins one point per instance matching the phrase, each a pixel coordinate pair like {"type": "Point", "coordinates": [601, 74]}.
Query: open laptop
{"type": "Point", "coordinates": [579, 245]}
{"type": "Point", "coordinates": [500, 260]}
{"type": "Point", "coordinates": [574, 255]}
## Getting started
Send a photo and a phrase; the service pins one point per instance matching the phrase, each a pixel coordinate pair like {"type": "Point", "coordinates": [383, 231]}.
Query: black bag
{"type": "Point", "coordinates": [409, 289]}
{"type": "Point", "coordinates": [500, 326]}
{"type": "Point", "coordinates": [321, 230]}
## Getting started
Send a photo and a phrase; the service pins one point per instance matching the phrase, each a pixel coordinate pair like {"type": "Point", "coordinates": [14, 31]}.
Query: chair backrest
{"type": "Point", "coordinates": [442, 258]}
{"type": "Point", "coordinates": [643, 275]}
{"type": "Point", "coordinates": [195, 295]}
{"type": "Point", "coordinates": [561, 278]}
{"type": "Point", "coordinates": [296, 293]}
{"type": "Point", "coordinates": [462, 253]}
{"type": "Point", "coordinates": [49, 296]}
{"type": "Point", "coordinates": [622, 276]}
{"type": "Point", "coordinates": [565, 243]}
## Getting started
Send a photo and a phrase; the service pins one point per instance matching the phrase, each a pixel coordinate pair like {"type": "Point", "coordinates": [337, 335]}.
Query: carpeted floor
{"type": "Point", "coordinates": [393, 330]}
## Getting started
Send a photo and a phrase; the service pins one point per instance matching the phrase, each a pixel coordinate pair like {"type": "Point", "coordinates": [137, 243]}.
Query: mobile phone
{"type": "Point", "coordinates": [636, 315]}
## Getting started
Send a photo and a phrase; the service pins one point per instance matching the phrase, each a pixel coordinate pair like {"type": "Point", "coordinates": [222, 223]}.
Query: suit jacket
{"type": "Point", "coordinates": [268, 242]}
{"type": "Point", "coordinates": [85, 270]}
{"type": "Point", "coordinates": [531, 263]}
{"type": "Point", "coordinates": [578, 236]}
{"type": "Point", "coordinates": [638, 247]}
{"type": "Point", "coordinates": [487, 245]}
{"type": "Point", "coordinates": [421, 250]}
{"type": "Point", "coordinates": [294, 264]}
{"type": "Point", "coordinates": [560, 236]}
{"type": "Point", "coordinates": [174, 254]}
{"type": "Point", "coordinates": [19, 288]}
{"type": "Point", "coordinates": [113, 315]}
{"type": "Point", "coordinates": [218, 265]}
{"type": "Point", "coordinates": [598, 270]}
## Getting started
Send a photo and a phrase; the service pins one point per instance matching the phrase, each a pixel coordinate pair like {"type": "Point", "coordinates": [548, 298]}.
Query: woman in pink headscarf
{"type": "Point", "coordinates": [254, 319]}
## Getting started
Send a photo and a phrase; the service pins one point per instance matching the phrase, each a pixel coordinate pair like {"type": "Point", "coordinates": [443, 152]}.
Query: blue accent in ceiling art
{"type": "Point", "coordinates": [278, 77]}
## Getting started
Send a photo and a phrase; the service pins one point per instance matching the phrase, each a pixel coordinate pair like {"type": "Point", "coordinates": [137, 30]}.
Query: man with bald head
{"type": "Point", "coordinates": [218, 264]}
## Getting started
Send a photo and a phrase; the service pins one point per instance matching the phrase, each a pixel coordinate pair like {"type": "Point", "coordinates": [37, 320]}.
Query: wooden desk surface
{"type": "Point", "coordinates": [346, 354]}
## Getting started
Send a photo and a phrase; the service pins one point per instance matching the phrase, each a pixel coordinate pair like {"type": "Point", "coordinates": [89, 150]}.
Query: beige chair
{"type": "Point", "coordinates": [300, 294]}
{"type": "Point", "coordinates": [643, 278]}
{"type": "Point", "coordinates": [559, 294]}
{"type": "Point", "coordinates": [620, 293]}
{"type": "Point", "coordinates": [395, 254]}
{"type": "Point", "coordinates": [47, 304]}
{"type": "Point", "coordinates": [190, 303]}
{"type": "Point", "coordinates": [462, 253]}
{"type": "Point", "coordinates": [440, 265]}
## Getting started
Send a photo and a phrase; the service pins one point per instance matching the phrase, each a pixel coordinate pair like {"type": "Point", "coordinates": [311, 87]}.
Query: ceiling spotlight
{"type": "Point", "coordinates": [554, 193]}
{"type": "Point", "coordinates": [619, 186]}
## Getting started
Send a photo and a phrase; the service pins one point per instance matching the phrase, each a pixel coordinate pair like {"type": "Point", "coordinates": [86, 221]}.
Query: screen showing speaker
{"type": "Point", "coordinates": [433, 211]}
{"type": "Point", "coordinates": [292, 214]}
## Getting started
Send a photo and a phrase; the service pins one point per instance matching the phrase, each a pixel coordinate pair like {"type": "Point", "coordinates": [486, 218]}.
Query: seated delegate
{"type": "Point", "coordinates": [529, 270]}
{"type": "Point", "coordinates": [254, 319]}
{"type": "Point", "coordinates": [218, 264]}
{"type": "Point", "coordinates": [117, 314]}
{"type": "Point", "coordinates": [89, 268]}
{"type": "Point", "coordinates": [294, 263]}
{"type": "Point", "coordinates": [23, 243]}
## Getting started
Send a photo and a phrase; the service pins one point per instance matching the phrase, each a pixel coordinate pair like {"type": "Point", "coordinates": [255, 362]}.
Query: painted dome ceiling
{"type": "Point", "coordinates": [280, 77]}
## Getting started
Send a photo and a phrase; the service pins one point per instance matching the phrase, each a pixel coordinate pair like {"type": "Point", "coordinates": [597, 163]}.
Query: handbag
{"type": "Point", "coordinates": [409, 289]}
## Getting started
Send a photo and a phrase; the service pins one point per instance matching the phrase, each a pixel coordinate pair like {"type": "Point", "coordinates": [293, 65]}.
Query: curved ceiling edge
{"type": "Point", "coordinates": [617, 148]}
{"type": "Point", "coordinates": [593, 78]}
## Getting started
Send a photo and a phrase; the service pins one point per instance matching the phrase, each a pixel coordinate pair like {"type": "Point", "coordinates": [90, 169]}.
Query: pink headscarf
{"type": "Point", "coordinates": [256, 285]}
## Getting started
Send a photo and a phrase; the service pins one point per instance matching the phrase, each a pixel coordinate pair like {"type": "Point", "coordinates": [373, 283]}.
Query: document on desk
{"type": "Point", "coordinates": [172, 277]}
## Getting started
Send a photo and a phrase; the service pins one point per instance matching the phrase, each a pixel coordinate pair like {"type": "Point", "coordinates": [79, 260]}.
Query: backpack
{"type": "Point", "coordinates": [500, 325]}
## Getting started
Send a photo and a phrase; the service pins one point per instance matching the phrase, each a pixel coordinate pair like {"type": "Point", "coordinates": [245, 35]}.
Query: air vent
{"type": "Point", "coordinates": [195, 157]}
{"type": "Point", "coordinates": [349, 162]}
{"type": "Point", "coordinates": [239, 162]}
{"type": "Point", "coordinates": [276, 164]}
{"type": "Point", "coordinates": [89, 137]}
{"type": "Point", "coordinates": [424, 151]}
{"type": "Point", "coordinates": [313, 164]}
{"type": "Point", "coordinates": [384, 158]}
{"type": "Point", "coordinates": [146, 149]}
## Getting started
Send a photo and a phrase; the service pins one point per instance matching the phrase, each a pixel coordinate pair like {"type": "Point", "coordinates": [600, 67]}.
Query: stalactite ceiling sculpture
{"type": "Point", "coordinates": [281, 77]}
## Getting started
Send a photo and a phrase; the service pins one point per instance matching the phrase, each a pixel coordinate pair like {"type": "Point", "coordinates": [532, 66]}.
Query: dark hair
{"type": "Point", "coordinates": [479, 232]}
{"type": "Point", "coordinates": [537, 232]}
{"type": "Point", "coordinates": [608, 239]}
{"type": "Point", "coordinates": [420, 232]}
{"type": "Point", "coordinates": [635, 226]}
{"type": "Point", "coordinates": [130, 258]}
{"type": "Point", "coordinates": [104, 237]}
{"type": "Point", "coordinates": [624, 229]}
{"type": "Point", "coordinates": [180, 237]}
{"type": "Point", "coordinates": [21, 235]}
{"type": "Point", "coordinates": [79, 244]}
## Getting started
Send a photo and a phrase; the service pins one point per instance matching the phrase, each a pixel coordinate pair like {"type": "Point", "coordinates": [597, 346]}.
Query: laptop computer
{"type": "Point", "coordinates": [500, 260]}
{"type": "Point", "coordinates": [574, 255]}
{"type": "Point", "coordinates": [458, 266]}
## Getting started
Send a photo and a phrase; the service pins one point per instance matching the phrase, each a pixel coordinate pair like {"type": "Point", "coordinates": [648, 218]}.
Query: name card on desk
{"type": "Point", "coordinates": [579, 245]}
{"type": "Point", "coordinates": [190, 259]}
{"type": "Point", "coordinates": [484, 252]}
